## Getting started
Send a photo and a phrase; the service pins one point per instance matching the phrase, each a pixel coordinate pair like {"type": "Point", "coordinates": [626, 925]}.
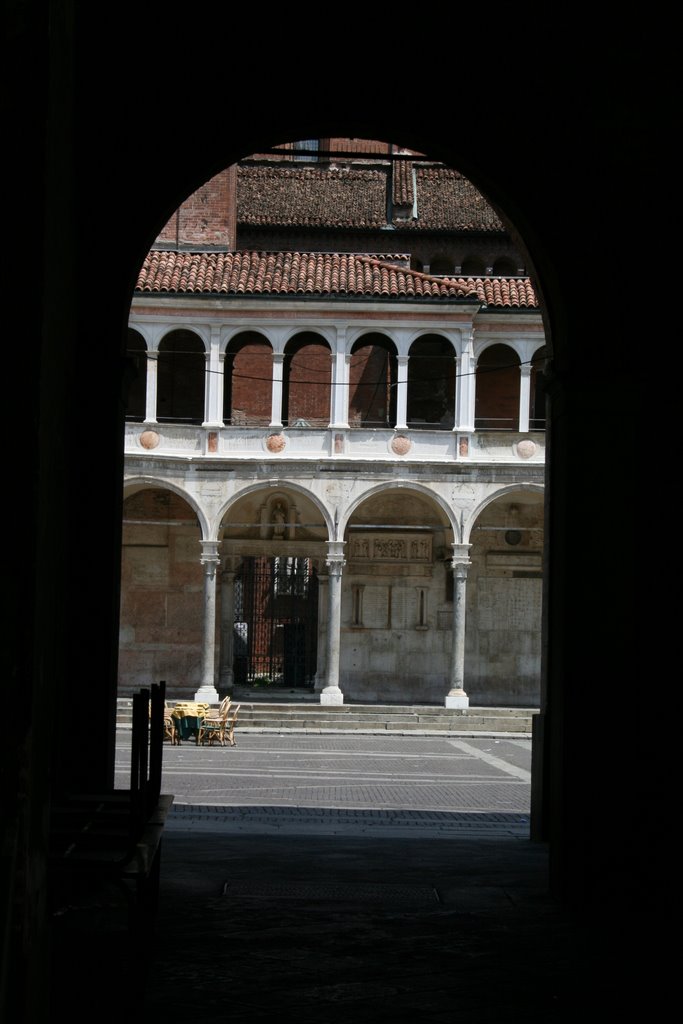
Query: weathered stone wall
{"type": "Point", "coordinates": [161, 609]}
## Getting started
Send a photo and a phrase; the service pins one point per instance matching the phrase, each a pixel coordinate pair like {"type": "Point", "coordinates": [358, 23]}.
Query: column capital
{"type": "Point", "coordinates": [210, 557]}
{"type": "Point", "coordinates": [461, 558]}
{"type": "Point", "coordinates": [334, 558]}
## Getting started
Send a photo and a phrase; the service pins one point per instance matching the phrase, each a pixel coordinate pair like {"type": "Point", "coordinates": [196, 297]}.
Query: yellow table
{"type": "Point", "coordinates": [188, 715]}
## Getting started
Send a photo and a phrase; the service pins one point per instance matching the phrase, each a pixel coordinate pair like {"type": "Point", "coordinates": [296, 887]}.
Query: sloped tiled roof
{"type": "Point", "coordinates": [447, 201]}
{"type": "Point", "coordinates": [352, 198]}
{"type": "Point", "coordinates": [316, 274]}
{"type": "Point", "coordinates": [311, 197]}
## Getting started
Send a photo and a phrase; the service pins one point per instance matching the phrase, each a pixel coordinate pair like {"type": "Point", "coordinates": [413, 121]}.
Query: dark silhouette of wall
{"type": "Point", "coordinates": [109, 126]}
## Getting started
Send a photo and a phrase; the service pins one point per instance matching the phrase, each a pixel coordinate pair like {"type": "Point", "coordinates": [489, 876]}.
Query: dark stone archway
{"type": "Point", "coordinates": [104, 149]}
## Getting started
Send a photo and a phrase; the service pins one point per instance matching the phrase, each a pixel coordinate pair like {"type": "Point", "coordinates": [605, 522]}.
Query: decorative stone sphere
{"type": "Point", "coordinates": [149, 439]}
{"type": "Point", "coordinates": [275, 442]}
{"type": "Point", "coordinates": [525, 449]}
{"type": "Point", "coordinates": [401, 445]}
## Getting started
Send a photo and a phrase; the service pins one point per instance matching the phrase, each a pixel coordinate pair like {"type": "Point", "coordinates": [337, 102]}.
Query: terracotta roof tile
{"type": "Point", "coordinates": [402, 180]}
{"type": "Point", "coordinates": [329, 197]}
{"type": "Point", "coordinates": [301, 273]}
{"type": "Point", "coordinates": [446, 200]}
{"type": "Point", "coordinates": [311, 197]}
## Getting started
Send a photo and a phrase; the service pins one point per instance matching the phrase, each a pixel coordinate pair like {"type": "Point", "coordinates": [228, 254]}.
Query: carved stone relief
{"type": "Point", "coordinates": [398, 548]}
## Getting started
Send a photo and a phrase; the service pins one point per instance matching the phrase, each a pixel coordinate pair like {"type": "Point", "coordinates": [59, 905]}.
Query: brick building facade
{"type": "Point", "coordinates": [306, 406]}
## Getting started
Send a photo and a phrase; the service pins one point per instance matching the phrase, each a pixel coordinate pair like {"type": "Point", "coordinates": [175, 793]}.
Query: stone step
{"type": "Point", "coordinates": [313, 717]}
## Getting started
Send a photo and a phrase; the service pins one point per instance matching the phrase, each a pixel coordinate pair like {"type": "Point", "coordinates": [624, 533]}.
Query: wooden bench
{"type": "Point", "coordinates": [112, 840]}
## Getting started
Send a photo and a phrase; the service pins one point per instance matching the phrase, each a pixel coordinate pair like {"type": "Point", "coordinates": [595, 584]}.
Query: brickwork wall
{"type": "Point", "coordinates": [155, 504]}
{"type": "Point", "coordinates": [369, 386]}
{"type": "Point", "coordinates": [162, 595]}
{"type": "Point", "coordinates": [248, 384]}
{"type": "Point", "coordinates": [207, 217]}
{"type": "Point", "coordinates": [308, 381]}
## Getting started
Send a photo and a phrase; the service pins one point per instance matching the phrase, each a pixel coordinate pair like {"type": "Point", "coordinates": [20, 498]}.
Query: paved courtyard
{"type": "Point", "coordinates": [361, 785]}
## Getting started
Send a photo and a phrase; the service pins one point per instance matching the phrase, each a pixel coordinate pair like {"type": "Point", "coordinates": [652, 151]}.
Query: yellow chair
{"type": "Point", "coordinates": [229, 732]}
{"type": "Point", "coordinates": [213, 724]}
{"type": "Point", "coordinates": [170, 728]}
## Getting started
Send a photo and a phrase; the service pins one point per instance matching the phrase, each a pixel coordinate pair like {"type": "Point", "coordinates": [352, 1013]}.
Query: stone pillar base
{"type": "Point", "coordinates": [207, 695]}
{"type": "Point", "coordinates": [331, 695]}
{"type": "Point", "coordinates": [457, 699]}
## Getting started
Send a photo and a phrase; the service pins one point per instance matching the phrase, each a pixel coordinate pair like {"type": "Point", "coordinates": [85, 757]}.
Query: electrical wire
{"type": "Point", "coordinates": [412, 380]}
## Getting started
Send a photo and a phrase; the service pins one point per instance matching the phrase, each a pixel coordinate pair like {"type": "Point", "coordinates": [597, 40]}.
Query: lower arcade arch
{"type": "Point", "coordinates": [272, 544]}
{"type": "Point", "coordinates": [258, 600]}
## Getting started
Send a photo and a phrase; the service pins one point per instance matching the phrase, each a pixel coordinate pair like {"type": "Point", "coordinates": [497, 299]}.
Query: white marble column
{"type": "Point", "coordinates": [207, 692]}
{"type": "Point", "coordinates": [225, 672]}
{"type": "Point", "coordinates": [151, 391]}
{"type": "Point", "coordinates": [456, 696]}
{"type": "Point", "coordinates": [402, 393]}
{"type": "Point", "coordinates": [524, 397]}
{"type": "Point", "coordinates": [276, 400]}
{"type": "Point", "coordinates": [331, 692]}
{"type": "Point", "coordinates": [213, 392]}
{"type": "Point", "coordinates": [465, 384]}
{"type": "Point", "coordinates": [341, 364]}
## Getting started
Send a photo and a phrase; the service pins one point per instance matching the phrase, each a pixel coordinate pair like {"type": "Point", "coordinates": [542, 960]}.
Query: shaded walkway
{"type": "Point", "coordinates": [335, 929]}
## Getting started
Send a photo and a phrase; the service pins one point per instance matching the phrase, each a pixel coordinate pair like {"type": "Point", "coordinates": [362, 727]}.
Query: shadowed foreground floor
{"type": "Point", "coordinates": [328, 929]}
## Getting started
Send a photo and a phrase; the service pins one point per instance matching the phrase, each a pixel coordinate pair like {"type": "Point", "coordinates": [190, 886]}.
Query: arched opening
{"type": "Point", "coordinates": [504, 596]}
{"type": "Point", "coordinates": [372, 382]}
{"type": "Point", "coordinates": [431, 384]}
{"type": "Point", "coordinates": [538, 397]}
{"type": "Point", "coordinates": [181, 373]}
{"type": "Point", "coordinates": [394, 599]}
{"type": "Point", "coordinates": [504, 267]}
{"type": "Point", "coordinates": [74, 637]}
{"type": "Point", "coordinates": [441, 265]}
{"type": "Point", "coordinates": [276, 623]}
{"type": "Point", "coordinates": [247, 388]}
{"type": "Point", "coordinates": [498, 384]}
{"type": "Point", "coordinates": [271, 550]}
{"type": "Point", "coordinates": [307, 383]}
{"type": "Point", "coordinates": [473, 266]}
{"type": "Point", "coordinates": [136, 397]}
{"type": "Point", "coordinates": [330, 374]}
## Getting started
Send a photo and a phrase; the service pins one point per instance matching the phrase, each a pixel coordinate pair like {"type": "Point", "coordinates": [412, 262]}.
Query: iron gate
{"type": "Point", "coordinates": [276, 622]}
